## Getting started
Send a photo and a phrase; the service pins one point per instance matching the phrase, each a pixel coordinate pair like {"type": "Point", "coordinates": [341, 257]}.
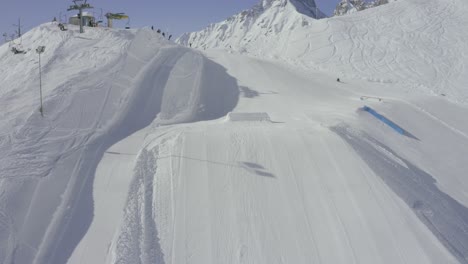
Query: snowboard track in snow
{"type": "Point", "coordinates": [139, 240]}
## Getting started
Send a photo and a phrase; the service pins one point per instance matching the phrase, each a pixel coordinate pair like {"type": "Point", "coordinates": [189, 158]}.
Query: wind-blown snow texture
{"type": "Point", "coordinates": [248, 152]}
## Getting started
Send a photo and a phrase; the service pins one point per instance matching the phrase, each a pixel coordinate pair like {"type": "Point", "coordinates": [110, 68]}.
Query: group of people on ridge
{"type": "Point", "coordinates": [163, 34]}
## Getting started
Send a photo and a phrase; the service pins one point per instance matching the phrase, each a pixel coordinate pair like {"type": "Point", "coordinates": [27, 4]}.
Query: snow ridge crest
{"type": "Point", "coordinates": [306, 7]}
{"type": "Point", "coordinates": [268, 17]}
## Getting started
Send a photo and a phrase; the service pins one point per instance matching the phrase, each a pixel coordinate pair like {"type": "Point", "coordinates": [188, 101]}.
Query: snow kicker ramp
{"type": "Point", "coordinates": [48, 164]}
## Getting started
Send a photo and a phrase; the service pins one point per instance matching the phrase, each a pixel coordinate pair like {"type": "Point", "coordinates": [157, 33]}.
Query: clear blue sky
{"type": "Point", "coordinates": [176, 16]}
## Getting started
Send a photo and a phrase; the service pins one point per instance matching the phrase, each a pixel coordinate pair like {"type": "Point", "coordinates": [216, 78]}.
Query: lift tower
{"type": "Point", "coordinates": [112, 16]}
{"type": "Point", "coordinates": [18, 32]}
{"type": "Point", "coordinates": [78, 5]}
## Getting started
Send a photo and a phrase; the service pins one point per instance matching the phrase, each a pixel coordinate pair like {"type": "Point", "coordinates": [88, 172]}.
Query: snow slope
{"type": "Point", "coordinates": [416, 44]}
{"type": "Point", "coordinates": [99, 88]}
{"type": "Point", "coordinates": [150, 152]}
{"type": "Point", "coordinates": [291, 190]}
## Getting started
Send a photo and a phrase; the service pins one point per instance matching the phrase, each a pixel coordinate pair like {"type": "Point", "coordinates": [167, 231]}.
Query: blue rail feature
{"type": "Point", "coordinates": [385, 120]}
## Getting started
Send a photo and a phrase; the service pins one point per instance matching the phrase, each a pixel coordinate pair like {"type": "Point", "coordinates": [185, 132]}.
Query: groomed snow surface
{"type": "Point", "coordinates": [151, 152]}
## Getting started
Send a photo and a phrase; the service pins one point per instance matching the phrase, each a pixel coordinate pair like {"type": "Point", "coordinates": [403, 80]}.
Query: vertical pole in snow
{"type": "Point", "coordinates": [80, 8]}
{"type": "Point", "coordinates": [18, 31]}
{"type": "Point", "coordinates": [40, 85]}
{"type": "Point", "coordinates": [40, 50]}
{"type": "Point", "coordinates": [81, 20]}
{"type": "Point", "coordinates": [19, 27]}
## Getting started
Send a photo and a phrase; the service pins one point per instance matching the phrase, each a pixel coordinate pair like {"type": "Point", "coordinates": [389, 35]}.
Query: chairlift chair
{"type": "Point", "coordinates": [127, 26]}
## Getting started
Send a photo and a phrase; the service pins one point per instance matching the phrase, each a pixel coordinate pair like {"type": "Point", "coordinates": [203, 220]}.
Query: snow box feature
{"type": "Point", "coordinates": [261, 116]}
{"type": "Point", "coordinates": [389, 123]}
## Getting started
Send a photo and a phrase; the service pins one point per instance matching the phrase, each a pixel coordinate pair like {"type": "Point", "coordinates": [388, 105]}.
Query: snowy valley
{"type": "Point", "coordinates": [238, 143]}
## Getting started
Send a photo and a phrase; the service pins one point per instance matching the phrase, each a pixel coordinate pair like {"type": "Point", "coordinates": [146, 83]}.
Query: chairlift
{"type": "Point", "coordinates": [127, 26]}
{"type": "Point", "coordinates": [111, 16]}
{"type": "Point", "coordinates": [101, 16]}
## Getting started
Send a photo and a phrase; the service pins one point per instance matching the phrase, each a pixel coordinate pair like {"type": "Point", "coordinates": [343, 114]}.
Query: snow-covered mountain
{"type": "Point", "coordinates": [246, 152]}
{"type": "Point", "coordinates": [350, 6]}
{"type": "Point", "coordinates": [387, 37]}
{"type": "Point", "coordinates": [267, 18]}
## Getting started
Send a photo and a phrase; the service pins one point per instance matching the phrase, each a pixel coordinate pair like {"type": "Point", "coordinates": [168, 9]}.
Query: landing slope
{"type": "Point", "coordinates": [312, 183]}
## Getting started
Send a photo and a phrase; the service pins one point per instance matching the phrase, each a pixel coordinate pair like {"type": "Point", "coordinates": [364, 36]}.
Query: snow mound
{"type": "Point", "coordinates": [99, 88]}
